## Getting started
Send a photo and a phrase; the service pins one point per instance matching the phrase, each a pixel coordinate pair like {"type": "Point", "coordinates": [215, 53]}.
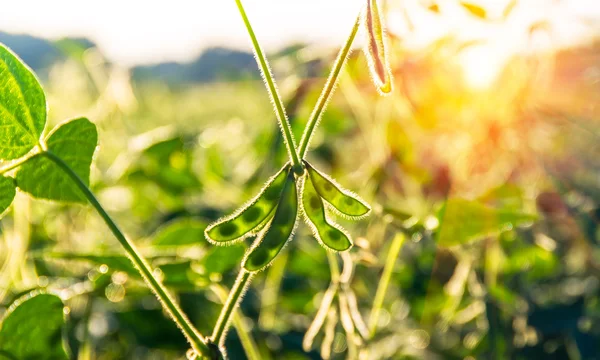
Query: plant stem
{"type": "Point", "coordinates": [235, 295]}
{"type": "Point", "coordinates": [385, 281]}
{"type": "Point", "coordinates": [286, 129]}
{"type": "Point", "coordinates": [248, 343]}
{"type": "Point", "coordinates": [327, 90]}
{"type": "Point", "coordinates": [196, 340]}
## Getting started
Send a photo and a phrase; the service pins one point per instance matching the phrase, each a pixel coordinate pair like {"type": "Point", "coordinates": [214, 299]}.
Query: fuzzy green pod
{"type": "Point", "coordinates": [376, 48]}
{"type": "Point", "coordinates": [274, 237]}
{"type": "Point", "coordinates": [342, 200]}
{"type": "Point", "coordinates": [244, 221]}
{"type": "Point", "coordinates": [330, 235]}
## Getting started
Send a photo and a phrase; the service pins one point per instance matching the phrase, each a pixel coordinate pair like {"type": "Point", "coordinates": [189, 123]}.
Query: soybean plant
{"type": "Point", "coordinates": [298, 189]}
{"type": "Point", "coordinates": [56, 167]}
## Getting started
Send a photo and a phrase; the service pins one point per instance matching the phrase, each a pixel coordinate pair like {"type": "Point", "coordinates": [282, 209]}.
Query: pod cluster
{"type": "Point", "coordinates": [273, 214]}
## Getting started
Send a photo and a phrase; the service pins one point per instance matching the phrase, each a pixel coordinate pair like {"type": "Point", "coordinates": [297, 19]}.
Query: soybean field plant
{"type": "Point", "coordinates": [55, 165]}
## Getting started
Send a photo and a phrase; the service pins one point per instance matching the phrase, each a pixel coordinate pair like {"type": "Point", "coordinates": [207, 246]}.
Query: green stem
{"type": "Point", "coordinates": [286, 129]}
{"type": "Point", "coordinates": [327, 90]}
{"type": "Point", "coordinates": [196, 340]}
{"type": "Point", "coordinates": [235, 295]}
{"type": "Point", "coordinates": [248, 343]}
{"type": "Point", "coordinates": [385, 281]}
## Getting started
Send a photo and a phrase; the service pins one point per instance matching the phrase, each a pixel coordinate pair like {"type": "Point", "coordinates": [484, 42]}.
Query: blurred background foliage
{"type": "Point", "coordinates": [492, 191]}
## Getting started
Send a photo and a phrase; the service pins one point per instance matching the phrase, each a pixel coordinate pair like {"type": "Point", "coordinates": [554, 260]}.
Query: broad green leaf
{"type": "Point", "coordinates": [475, 10]}
{"type": "Point", "coordinates": [249, 217]}
{"type": "Point", "coordinates": [75, 143]}
{"type": "Point", "coordinates": [464, 221]}
{"type": "Point", "coordinates": [221, 259]}
{"type": "Point", "coordinates": [376, 48]}
{"type": "Point", "coordinates": [22, 107]}
{"type": "Point", "coordinates": [32, 329]}
{"type": "Point", "coordinates": [345, 202]}
{"type": "Point", "coordinates": [178, 274]}
{"type": "Point", "coordinates": [7, 193]}
{"type": "Point", "coordinates": [180, 233]}
{"type": "Point", "coordinates": [270, 242]}
{"type": "Point", "coordinates": [330, 235]}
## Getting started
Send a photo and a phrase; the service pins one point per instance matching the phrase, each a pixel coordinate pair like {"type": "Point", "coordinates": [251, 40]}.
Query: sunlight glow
{"type": "Point", "coordinates": [482, 66]}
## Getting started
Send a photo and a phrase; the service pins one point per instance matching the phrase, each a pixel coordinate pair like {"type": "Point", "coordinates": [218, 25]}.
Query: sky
{"type": "Point", "coordinates": [139, 32]}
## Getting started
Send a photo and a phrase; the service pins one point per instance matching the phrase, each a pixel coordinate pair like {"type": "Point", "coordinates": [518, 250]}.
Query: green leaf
{"type": "Point", "coordinates": [464, 221]}
{"type": "Point", "coordinates": [344, 201]}
{"type": "Point", "coordinates": [221, 259]}
{"type": "Point", "coordinates": [22, 107]}
{"type": "Point", "coordinates": [75, 143]}
{"type": "Point", "coordinates": [474, 10]}
{"type": "Point", "coordinates": [270, 242]}
{"type": "Point", "coordinates": [178, 274]}
{"type": "Point", "coordinates": [375, 49]}
{"type": "Point", "coordinates": [329, 235]}
{"type": "Point", "coordinates": [249, 217]}
{"type": "Point", "coordinates": [7, 193]}
{"type": "Point", "coordinates": [32, 329]}
{"type": "Point", "coordinates": [180, 233]}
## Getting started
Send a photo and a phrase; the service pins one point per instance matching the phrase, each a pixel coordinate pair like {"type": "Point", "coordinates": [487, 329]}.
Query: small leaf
{"type": "Point", "coordinates": [22, 107]}
{"type": "Point", "coordinates": [7, 193]}
{"type": "Point", "coordinates": [344, 201]}
{"type": "Point", "coordinates": [32, 329]}
{"type": "Point", "coordinates": [180, 233]}
{"type": "Point", "coordinates": [464, 221]}
{"type": "Point", "coordinates": [330, 235]}
{"type": "Point", "coordinates": [375, 50]}
{"type": "Point", "coordinates": [475, 10]}
{"type": "Point", "coordinates": [75, 143]}
{"type": "Point", "coordinates": [270, 242]}
{"type": "Point", "coordinates": [243, 222]}
{"type": "Point", "coordinates": [434, 7]}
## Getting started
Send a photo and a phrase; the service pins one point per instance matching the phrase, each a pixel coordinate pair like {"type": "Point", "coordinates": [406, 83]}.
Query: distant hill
{"type": "Point", "coordinates": [38, 53]}
{"type": "Point", "coordinates": [213, 64]}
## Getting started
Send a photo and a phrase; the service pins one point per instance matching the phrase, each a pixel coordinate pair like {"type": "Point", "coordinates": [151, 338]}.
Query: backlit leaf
{"type": "Point", "coordinates": [75, 143]}
{"type": "Point", "coordinates": [474, 10]}
{"type": "Point", "coordinates": [344, 201]}
{"type": "Point", "coordinates": [7, 193]}
{"type": "Point", "coordinates": [249, 217]}
{"type": "Point", "coordinates": [464, 221]}
{"type": "Point", "coordinates": [376, 48]}
{"type": "Point", "coordinates": [32, 329]}
{"type": "Point", "coordinates": [180, 233]}
{"type": "Point", "coordinates": [22, 107]}
{"type": "Point", "coordinates": [330, 235]}
{"type": "Point", "coordinates": [270, 242]}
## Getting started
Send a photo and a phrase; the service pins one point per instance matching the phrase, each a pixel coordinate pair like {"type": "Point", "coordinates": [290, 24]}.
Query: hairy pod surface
{"type": "Point", "coordinates": [328, 234]}
{"type": "Point", "coordinates": [342, 200]}
{"type": "Point", "coordinates": [244, 221]}
{"type": "Point", "coordinates": [376, 48]}
{"type": "Point", "coordinates": [274, 237]}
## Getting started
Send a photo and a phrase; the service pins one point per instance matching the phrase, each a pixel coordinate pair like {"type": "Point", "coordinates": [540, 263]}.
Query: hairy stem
{"type": "Point", "coordinates": [235, 295]}
{"type": "Point", "coordinates": [385, 281]}
{"type": "Point", "coordinates": [248, 343]}
{"type": "Point", "coordinates": [196, 340]}
{"type": "Point", "coordinates": [327, 90]}
{"type": "Point", "coordinates": [286, 129]}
